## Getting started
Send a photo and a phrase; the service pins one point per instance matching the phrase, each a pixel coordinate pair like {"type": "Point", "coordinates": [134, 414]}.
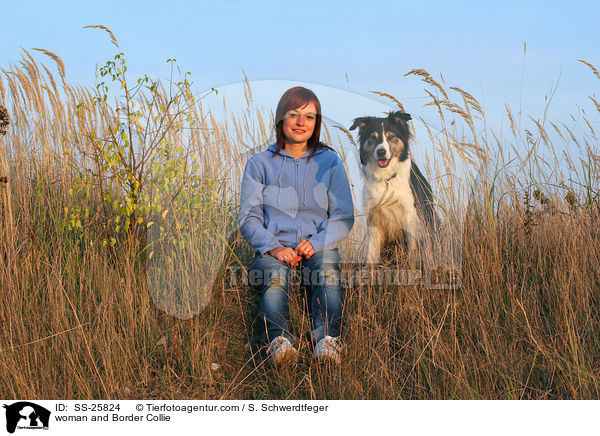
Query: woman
{"type": "Point", "coordinates": [296, 206]}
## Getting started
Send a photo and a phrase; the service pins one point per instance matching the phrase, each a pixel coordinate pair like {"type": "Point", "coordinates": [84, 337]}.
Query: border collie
{"type": "Point", "coordinates": [397, 198]}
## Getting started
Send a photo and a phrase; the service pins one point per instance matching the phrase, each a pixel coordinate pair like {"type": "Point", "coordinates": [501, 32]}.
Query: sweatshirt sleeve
{"type": "Point", "coordinates": [251, 215]}
{"type": "Point", "coordinates": [340, 211]}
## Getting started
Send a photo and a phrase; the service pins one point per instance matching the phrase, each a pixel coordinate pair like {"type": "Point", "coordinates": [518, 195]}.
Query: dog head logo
{"type": "Point", "coordinates": [24, 414]}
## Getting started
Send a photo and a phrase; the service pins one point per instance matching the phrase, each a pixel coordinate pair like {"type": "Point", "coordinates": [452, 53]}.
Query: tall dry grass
{"type": "Point", "coordinates": [79, 322]}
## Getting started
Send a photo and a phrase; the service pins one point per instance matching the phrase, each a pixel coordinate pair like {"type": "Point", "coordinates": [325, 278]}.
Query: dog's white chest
{"type": "Point", "coordinates": [390, 204]}
{"type": "Point", "coordinates": [395, 190]}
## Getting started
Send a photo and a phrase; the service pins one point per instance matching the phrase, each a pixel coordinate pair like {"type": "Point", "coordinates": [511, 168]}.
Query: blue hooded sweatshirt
{"type": "Point", "coordinates": [285, 200]}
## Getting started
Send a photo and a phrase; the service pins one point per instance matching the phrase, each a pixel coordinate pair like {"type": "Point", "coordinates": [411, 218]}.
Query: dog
{"type": "Point", "coordinates": [397, 198]}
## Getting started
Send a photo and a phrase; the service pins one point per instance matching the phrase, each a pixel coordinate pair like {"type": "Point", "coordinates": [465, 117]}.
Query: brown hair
{"type": "Point", "coordinates": [294, 98]}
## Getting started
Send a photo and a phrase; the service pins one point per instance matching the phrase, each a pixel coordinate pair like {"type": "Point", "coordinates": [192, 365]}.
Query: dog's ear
{"type": "Point", "coordinates": [359, 122]}
{"type": "Point", "coordinates": [363, 160]}
{"type": "Point", "coordinates": [400, 116]}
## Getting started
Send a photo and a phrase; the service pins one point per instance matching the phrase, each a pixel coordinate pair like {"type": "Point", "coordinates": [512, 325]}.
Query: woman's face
{"type": "Point", "coordinates": [299, 124]}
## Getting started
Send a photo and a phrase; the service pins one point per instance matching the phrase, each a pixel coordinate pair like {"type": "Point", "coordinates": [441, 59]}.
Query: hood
{"type": "Point", "coordinates": [273, 148]}
{"type": "Point", "coordinates": [284, 154]}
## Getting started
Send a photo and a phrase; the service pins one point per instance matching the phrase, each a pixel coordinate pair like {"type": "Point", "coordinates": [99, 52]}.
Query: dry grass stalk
{"type": "Point", "coordinates": [426, 77]}
{"type": "Point", "coordinates": [595, 103]}
{"type": "Point", "coordinates": [347, 133]}
{"type": "Point", "coordinates": [594, 70]}
{"type": "Point", "coordinates": [55, 58]}
{"type": "Point", "coordinates": [107, 30]}
{"type": "Point", "coordinates": [386, 95]}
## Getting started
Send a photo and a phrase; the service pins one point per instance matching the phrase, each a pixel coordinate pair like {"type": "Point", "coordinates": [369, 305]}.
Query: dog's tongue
{"type": "Point", "coordinates": [383, 163]}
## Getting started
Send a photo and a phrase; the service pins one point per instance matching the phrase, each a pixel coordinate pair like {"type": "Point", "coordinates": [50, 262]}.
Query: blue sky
{"type": "Point", "coordinates": [354, 45]}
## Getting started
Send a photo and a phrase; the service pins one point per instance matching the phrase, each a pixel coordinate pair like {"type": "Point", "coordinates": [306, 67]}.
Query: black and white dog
{"type": "Point", "coordinates": [396, 196]}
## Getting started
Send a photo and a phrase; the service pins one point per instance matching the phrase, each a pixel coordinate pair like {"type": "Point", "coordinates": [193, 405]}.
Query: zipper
{"type": "Point", "coordinates": [298, 201]}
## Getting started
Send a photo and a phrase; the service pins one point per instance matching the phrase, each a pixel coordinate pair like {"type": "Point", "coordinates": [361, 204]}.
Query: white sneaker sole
{"type": "Point", "coordinates": [328, 359]}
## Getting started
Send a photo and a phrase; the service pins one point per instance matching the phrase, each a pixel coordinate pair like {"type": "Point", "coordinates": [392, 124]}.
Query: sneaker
{"type": "Point", "coordinates": [282, 352]}
{"type": "Point", "coordinates": [330, 349]}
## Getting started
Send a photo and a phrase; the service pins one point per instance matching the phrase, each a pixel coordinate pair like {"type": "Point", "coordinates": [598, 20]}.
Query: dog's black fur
{"type": "Point", "coordinates": [398, 198]}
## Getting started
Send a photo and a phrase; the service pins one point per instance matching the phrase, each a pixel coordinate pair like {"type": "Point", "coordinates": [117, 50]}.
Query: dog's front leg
{"type": "Point", "coordinates": [413, 234]}
{"type": "Point", "coordinates": [374, 245]}
{"type": "Point", "coordinates": [411, 241]}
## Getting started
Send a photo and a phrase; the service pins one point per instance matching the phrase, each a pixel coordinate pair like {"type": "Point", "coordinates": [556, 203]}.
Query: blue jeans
{"type": "Point", "coordinates": [320, 274]}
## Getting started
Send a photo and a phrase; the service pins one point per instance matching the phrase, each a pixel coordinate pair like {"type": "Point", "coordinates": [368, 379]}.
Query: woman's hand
{"type": "Point", "coordinates": [305, 248]}
{"type": "Point", "coordinates": [285, 254]}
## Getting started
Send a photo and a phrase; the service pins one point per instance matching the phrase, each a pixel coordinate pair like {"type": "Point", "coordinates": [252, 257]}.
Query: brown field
{"type": "Point", "coordinates": [87, 179]}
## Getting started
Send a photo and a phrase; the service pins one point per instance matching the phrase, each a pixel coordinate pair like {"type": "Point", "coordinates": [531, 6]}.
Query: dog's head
{"type": "Point", "coordinates": [383, 140]}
